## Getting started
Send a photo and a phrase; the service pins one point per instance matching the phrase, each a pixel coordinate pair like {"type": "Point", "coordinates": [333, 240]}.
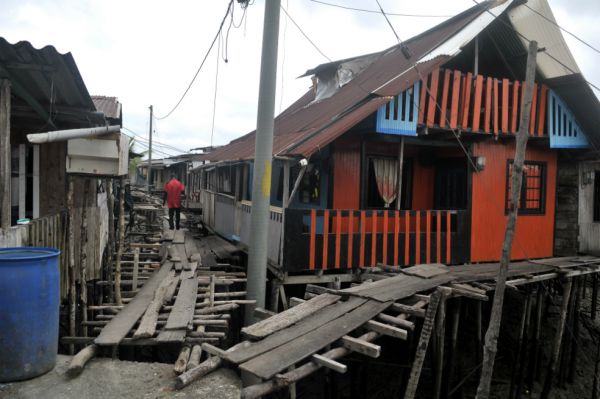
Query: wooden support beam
{"type": "Point", "coordinates": [386, 329]}
{"type": "Point", "coordinates": [329, 363]}
{"type": "Point", "coordinates": [22, 180]}
{"type": "Point", "coordinates": [79, 361]}
{"type": "Point", "coordinates": [440, 337]}
{"type": "Point", "coordinates": [182, 360]}
{"type": "Point", "coordinates": [5, 155]}
{"type": "Point", "coordinates": [410, 310]}
{"type": "Point", "coordinates": [360, 346]}
{"type": "Point", "coordinates": [397, 321]}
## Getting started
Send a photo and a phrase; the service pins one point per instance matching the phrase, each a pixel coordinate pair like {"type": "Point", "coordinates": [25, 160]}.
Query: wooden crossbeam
{"type": "Point", "coordinates": [386, 329]}
{"type": "Point", "coordinates": [329, 363]}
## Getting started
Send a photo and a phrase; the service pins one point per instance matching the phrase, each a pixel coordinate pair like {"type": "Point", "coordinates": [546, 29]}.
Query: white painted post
{"type": "Point", "coordinates": [36, 181]}
{"type": "Point", "coordinates": [22, 179]}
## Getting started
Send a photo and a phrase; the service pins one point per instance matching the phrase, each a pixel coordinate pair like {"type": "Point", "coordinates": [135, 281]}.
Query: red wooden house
{"type": "Point", "coordinates": [402, 157]}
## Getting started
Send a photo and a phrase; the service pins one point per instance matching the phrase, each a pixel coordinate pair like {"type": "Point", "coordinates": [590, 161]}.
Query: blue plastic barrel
{"type": "Point", "coordinates": [29, 311]}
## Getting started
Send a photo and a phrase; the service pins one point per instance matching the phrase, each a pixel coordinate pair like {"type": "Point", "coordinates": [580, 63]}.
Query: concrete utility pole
{"type": "Point", "coordinates": [5, 157]}
{"type": "Point", "coordinates": [261, 186]}
{"type": "Point", "coordinates": [149, 153]}
{"type": "Point", "coordinates": [491, 336]}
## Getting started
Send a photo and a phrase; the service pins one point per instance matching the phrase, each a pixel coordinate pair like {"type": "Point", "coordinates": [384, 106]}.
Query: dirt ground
{"type": "Point", "coordinates": [105, 378]}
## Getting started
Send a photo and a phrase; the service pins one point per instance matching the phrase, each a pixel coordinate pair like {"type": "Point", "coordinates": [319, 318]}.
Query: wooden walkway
{"type": "Point", "coordinates": [330, 324]}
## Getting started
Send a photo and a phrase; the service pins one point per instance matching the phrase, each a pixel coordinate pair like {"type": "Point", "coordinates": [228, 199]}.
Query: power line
{"type": "Point", "coordinates": [563, 29]}
{"type": "Point", "coordinates": [146, 146]}
{"type": "Point", "coordinates": [546, 50]}
{"type": "Point", "coordinates": [304, 34]}
{"type": "Point", "coordinates": [155, 142]}
{"type": "Point", "coordinates": [201, 64]}
{"type": "Point", "coordinates": [388, 21]}
{"type": "Point", "coordinates": [377, 12]}
{"type": "Point", "coordinates": [212, 128]}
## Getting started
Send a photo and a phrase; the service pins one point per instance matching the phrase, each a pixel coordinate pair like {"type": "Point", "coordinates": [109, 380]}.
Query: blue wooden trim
{"type": "Point", "coordinates": [400, 116]}
{"type": "Point", "coordinates": [563, 129]}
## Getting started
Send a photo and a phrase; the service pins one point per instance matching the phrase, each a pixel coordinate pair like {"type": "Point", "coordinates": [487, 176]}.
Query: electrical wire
{"type": "Point", "coordinates": [377, 12]}
{"type": "Point", "coordinates": [563, 29]}
{"type": "Point", "coordinates": [304, 34]}
{"type": "Point", "coordinates": [154, 141]}
{"type": "Point", "coordinates": [285, 25]}
{"type": "Point", "coordinates": [229, 7]}
{"type": "Point", "coordinates": [212, 128]}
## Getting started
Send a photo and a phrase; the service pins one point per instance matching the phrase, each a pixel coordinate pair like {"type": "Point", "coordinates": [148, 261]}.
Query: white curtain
{"type": "Point", "coordinates": [386, 175]}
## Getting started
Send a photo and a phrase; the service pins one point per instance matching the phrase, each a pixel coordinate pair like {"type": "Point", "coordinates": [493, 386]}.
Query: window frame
{"type": "Point", "coordinates": [596, 197]}
{"type": "Point", "coordinates": [407, 192]}
{"type": "Point", "coordinates": [541, 210]}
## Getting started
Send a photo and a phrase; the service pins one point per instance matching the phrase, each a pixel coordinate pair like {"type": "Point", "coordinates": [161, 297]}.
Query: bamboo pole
{"type": "Point", "coordinates": [83, 254]}
{"type": "Point", "coordinates": [491, 337]}
{"type": "Point", "coordinates": [121, 242]}
{"type": "Point", "coordinates": [440, 332]}
{"type": "Point", "coordinates": [557, 340]}
{"type": "Point", "coordinates": [516, 369]}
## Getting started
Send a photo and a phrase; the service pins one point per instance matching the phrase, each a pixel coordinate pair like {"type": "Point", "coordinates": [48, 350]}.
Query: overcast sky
{"type": "Point", "coordinates": [146, 52]}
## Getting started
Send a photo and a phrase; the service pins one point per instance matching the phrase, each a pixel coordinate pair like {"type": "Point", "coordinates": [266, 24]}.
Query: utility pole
{"type": "Point", "coordinates": [149, 153]}
{"type": "Point", "coordinates": [261, 185]}
{"type": "Point", "coordinates": [491, 336]}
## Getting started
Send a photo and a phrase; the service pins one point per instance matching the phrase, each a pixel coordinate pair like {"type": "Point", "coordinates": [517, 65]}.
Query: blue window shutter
{"type": "Point", "coordinates": [563, 129]}
{"type": "Point", "coordinates": [400, 115]}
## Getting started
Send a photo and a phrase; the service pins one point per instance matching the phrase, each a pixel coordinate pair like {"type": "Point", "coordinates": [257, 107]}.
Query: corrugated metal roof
{"type": "Point", "coordinates": [306, 126]}
{"type": "Point", "coordinates": [49, 83]}
{"type": "Point", "coordinates": [110, 106]}
{"type": "Point", "coordinates": [309, 125]}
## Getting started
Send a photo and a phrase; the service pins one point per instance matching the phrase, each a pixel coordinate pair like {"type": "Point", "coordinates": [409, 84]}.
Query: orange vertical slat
{"type": "Point", "coordinates": [466, 100]}
{"type": "Point", "coordinates": [338, 238]}
{"type": "Point", "coordinates": [533, 109]}
{"type": "Point", "coordinates": [363, 221]}
{"type": "Point", "coordinates": [406, 237]}
{"type": "Point", "coordinates": [495, 107]}
{"type": "Point", "coordinates": [521, 100]}
{"type": "Point", "coordinates": [374, 239]}
{"type": "Point", "coordinates": [422, 101]}
{"type": "Point", "coordinates": [325, 238]}
{"type": "Point", "coordinates": [448, 238]}
{"type": "Point", "coordinates": [455, 100]}
{"type": "Point", "coordinates": [445, 88]}
{"type": "Point", "coordinates": [477, 103]}
{"type": "Point", "coordinates": [505, 95]}
{"type": "Point", "coordinates": [428, 237]}
{"type": "Point", "coordinates": [438, 247]}
{"type": "Point", "coordinates": [488, 105]}
{"type": "Point", "coordinates": [418, 238]}
{"type": "Point", "coordinates": [350, 238]}
{"type": "Point", "coordinates": [396, 234]}
{"type": "Point", "coordinates": [385, 237]}
{"type": "Point", "coordinates": [433, 91]}
{"type": "Point", "coordinates": [313, 237]}
{"type": "Point", "coordinates": [515, 107]}
{"type": "Point", "coordinates": [542, 114]}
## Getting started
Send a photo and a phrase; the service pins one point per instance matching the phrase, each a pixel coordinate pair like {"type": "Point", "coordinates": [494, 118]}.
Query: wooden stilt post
{"type": "Point", "coordinates": [594, 296]}
{"type": "Point", "coordinates": [491, 336]}
{"type": "Point", "coordinates": [535, 338]}
{"type": "Point", "coordinates": [415, 373]}
{"type": "Point", "coordinates": [557, 340]}
{"type": "Point", "coordinates": [519, 365]}
{"type": "Point", "coordinates": [453, 345]}
{"type": "Point", "coordinates": [110, 199]}
{"type": "Point", "coordinates": [275, 295]}
{"type": "Point", "coordinates": [575, 334]}
{"type": "Point", "coordinates": [83, 254]}
{"type": "Point", "coordinates": [72, 278]}
{"type": "Point", "coordinates": [596, 387]}
{"type": "Point", "coordinates": [121, 242]}
{"type": "Point", "coordinates": [566, 343]}
{"type": "Point", "coordinates": [5, 156]}
{"type": "Point", "coordinates": [440, 332]}
{"type": "Point", "coordinates": [478, 332]}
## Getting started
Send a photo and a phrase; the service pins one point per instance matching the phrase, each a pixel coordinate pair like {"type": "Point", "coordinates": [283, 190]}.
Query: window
{"type": "Point", "coordinates": [597, 196]}
{"type": "Point", "coordinates": [532, 200]}
{"type": "Point", "coordinates": [374, 199]}
{"type": "Point", "coordinates": [451, 184]}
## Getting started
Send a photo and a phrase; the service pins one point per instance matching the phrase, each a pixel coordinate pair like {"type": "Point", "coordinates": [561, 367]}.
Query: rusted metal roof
{"type": "Point", "coordinates": [110, 106]}
{"type": "Point", "coordinates": [307, 126]}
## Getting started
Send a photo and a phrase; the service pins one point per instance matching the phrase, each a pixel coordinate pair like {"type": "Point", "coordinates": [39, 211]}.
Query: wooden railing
{"type": "Point", "coordinates": [480, 104]}
{"type": "Point", "coordinates": [345, 239]}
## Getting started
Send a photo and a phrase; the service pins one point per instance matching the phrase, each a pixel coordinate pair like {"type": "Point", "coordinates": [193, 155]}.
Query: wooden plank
{"type": "Point", "coordinates": [455, 100]}
{"type": "Point", "coordinates": [515, 107]}
{"type": "Point", "coordinates": [488, 105]}
{"type": "Point", "coordinates": [406, 237]}
{"type": "Point", "coordinates": [168, 235]}
{"type": "Point", "coordinates": [360, 346]}
{"type": "Point", "coordinates": [466, 100]}
{"type": "Point", "coordinates": [428, 236]}
{"type": "Point", "coordinates": [183, 310]}
{"type": "Point", "coordinates": [147, 326]}
{"type": "Point", "coordinates": [350, 238]}
{"type": "Point", "coordinates": [422, 99]}
{"type": "Point", "coordinates": [374, 238]}
{"type": "Point", "coordinates": [179, 237]}
{"type": "Point", "coordinates": [270, 363]}
{"type": "Point", "coordinates": [385, 235]}
{"type": "Point", "coordinates": [433, 92]}
{"type": "Point", "coordinates": [325, 239]}
{"type": "Point", "coordinates": [299, 329]}
{"type": "Point", "coordinates": [385, 329]}
{"type": "Point", "coordinates": [542, 114]}
{"type": "Point", "coordinates": [448, 237]}
{"type": "Point", "coordinates": [397, 287]}
{"type": "Point", "coordinates": [363, 221]}
{"type": "Point", "coordinates": [438, 223]}
{"type": "Point", "coordinates": [120, 325]}
{"type": "Point", "coordinates": [285, 319]}
{"type": "Point", "coordinates": [426, 270]}
{"type": "Point", "coordinates": [477, 103]}
{"type": "Point", "coordinates": [396, 236]}
{"type": "Point", "coordinates": [444, 106]}
{"type": "Point", "coordinates": [418, 238]}
{"type": "Point", "coordinates": [313, 238]}
{"type": "Point", "coordinates": [505, 95]}
{"type": "Point", "coordinates": [496, 105]}
{"type": "Point", "coordinates": [338, 238]}
{"type": "Point", "coordinates": [171, 336]}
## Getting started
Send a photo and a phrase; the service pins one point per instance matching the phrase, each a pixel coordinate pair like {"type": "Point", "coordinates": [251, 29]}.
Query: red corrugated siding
{"type": "Point", "coordinates": [346, 173]}
{"type": "Point", "coordinates": [534, 234]}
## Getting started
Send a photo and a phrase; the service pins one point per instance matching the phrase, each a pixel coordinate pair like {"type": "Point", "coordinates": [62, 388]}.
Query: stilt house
{"type": "Point", "coordinates": [403, 156]}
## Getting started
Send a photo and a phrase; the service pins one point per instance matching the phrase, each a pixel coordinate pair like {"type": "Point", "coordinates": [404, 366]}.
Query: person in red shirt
{"type": "Point", "coordinates": [173, 189]}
